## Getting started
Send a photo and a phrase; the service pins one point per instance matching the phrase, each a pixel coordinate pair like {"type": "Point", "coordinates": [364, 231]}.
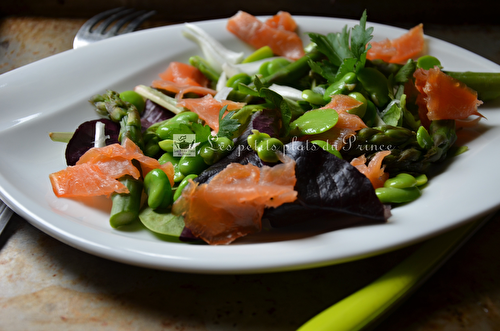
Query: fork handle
{"type": "Point", "coordinates": [368, 304]}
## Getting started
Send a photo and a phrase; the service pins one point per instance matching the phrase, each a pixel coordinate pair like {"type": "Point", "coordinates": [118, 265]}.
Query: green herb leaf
{"type": "Point", "coordinates": [346, 67]}
{"type": "Point", "coordinates": [346, 49]}
{"type": "Point", "coordinates": [360, 36]}
{"type": "Point", "coordinates": [325, 44]}
{"type": "Point", "coordinates": [406, 72]}
{"type": "Point", "coordinates": [227, 125]}
{"type": "Point", "coordinates": [324, 69]}
{"type": "Point", "coordinates": [392, 114]}
{"type": "Point", "coordinates": [202, 132]}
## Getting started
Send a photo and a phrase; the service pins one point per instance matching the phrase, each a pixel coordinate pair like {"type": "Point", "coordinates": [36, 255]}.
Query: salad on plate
{"type": "Point", "coordinates": [227, 144]}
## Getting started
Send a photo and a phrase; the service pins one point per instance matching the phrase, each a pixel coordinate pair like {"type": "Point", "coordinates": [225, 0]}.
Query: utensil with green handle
{"type": "Point", "coordinates": [367, 305]}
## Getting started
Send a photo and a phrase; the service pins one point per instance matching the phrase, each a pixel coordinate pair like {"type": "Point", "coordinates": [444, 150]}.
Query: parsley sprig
{"type": "Point", "coordinates": [227, 124]}
{"type": "Point", "coordinates": [345, 51]}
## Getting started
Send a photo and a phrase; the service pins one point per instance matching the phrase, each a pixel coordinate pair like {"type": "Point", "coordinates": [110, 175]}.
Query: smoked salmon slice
{"type": "Point", "coordinates": [259, 34]}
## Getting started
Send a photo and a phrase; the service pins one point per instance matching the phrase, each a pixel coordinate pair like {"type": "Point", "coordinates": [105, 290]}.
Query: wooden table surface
{"type": "Point", "coordinates": [47, 285]}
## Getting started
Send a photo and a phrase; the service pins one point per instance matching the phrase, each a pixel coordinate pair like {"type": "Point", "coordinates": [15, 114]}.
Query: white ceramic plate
{"type": "Point", "coordinates": [52, 94]}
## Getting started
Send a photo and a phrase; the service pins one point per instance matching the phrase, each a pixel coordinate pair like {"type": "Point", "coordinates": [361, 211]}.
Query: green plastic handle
{"type": "Point", "coordinates": [364, 306]}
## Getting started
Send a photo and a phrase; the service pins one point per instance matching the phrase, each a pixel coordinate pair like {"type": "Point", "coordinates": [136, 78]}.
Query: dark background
{"type": "Point", "coordinates": [403, 13]}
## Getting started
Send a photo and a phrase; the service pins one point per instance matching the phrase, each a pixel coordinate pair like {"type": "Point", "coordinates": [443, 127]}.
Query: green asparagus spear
{"type": "Point", "coordinates": [126, 206]}
{"type": "Point", "coordinates": [110, 105]}
{"type": "Point", "coordinates": [131, 127]}
{"type": "Point", "coordinates": [487, 84]}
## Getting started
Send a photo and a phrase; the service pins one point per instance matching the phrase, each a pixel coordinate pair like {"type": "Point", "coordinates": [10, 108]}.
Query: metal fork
{"type": "Point", "coordinates": [5, 215]}
{"type": "Point", "coordinates": [91, 31]}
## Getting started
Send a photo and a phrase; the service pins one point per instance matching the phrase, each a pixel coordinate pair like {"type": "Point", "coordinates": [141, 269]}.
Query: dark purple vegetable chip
{"type": "Point", "coordinates": [328, 188]}
{"type": "Point", "coordinates": [154, 113]}
{"type": "Point", "coordinates": [84, 137]}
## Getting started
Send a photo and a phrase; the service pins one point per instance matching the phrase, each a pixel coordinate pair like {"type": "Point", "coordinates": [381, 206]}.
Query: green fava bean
{"type": "Point", "coordinates": [152, 148]}
{"type": "Point", "coordinates": [397, 195]}
{"type": "Point", "coordinates": [260, 54]}
{"type": "Point", "coordinates": [276, 64]}
{"type": "Point", "coordinates": [375, 83]}
{"type": "Point", "coordinates": [314, 122]}
{"type": "Point", "coordinates": [255, 138]}
{"type": "Point", "coordinates": [185, 117]}
{"type": "Point", "coordinates": [169, 157]}
{"type": "Point", "coordinates": [167, 145]}
{"type": "Point", "coordinates": [361, 109]}
{"type": "Point", "coordinates": [224, 144]}
{"type": "Point", "coordinates": [427, 62]}
{"type": "Point", "coordinates": [327, 147]}
{"type": "Point", "coordinates": [421, 180]}
{"type": "Point", "coordinates": [134, 98]}
{"type": "Point", "coordinates": [342, 86]}
{"type": "Point", "coordinates": [266, 149]}
{"type": "Point", "coordinates": [168, 130]}
{"type": "Point", "coordinates": [242, 78]}
{"type": "Point", "coordinates": [401, 180]}
{"type": "Point", "coordinates": [182, 185]}
{"type": "Point", "coordinates": [263, 69]}
{"type": "Point", "coordinates": [370, 116]}
{"type": "Point", "coordinates": [158, 188]}
{"type": "Point", "coordinates": [189, 164]}
{"type": "Point", "coordinates": [313, 97]}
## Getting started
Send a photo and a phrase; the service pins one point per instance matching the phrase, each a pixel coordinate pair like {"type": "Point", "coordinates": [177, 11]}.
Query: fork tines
{"type": "Point", "coordinates": [111, 23]}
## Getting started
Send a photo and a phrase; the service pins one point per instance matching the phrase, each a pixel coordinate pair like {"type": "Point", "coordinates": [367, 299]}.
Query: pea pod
{"type": "Point", "coordinates": [126, 206]}
{"type": "Point", "coordinates": [158, 188]}
{"type": "Point", "coordinates": [397, 195]}
{"type": "Point", "coordinates": [376, 84]}
{"type": "Point", "coordinates": [182, 185]}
